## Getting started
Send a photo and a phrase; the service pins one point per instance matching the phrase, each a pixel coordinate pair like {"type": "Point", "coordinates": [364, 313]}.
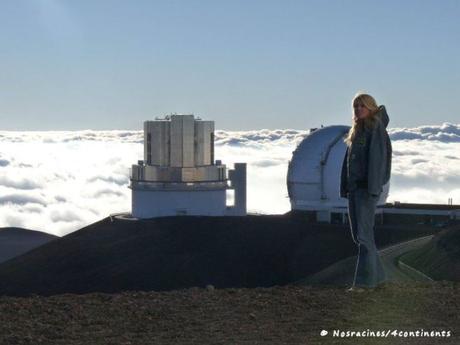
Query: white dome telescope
{"type": "Point", "coordinates": [313, 178]}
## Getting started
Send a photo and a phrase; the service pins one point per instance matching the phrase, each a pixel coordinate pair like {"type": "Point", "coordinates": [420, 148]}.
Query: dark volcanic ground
{"type": "Point", "coordinates": [247, 259]}
{"type": "Point", "coordinates": [440, 258]}
{"type": "Point", "coordinates": [276, 315]}
{"type": "Point", "coordinates": [17, 241]}
{"type": "Point", "coordinates": [178, 252]}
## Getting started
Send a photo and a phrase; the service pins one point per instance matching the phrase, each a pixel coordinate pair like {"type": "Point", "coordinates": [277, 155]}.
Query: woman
{"type": "Point", "coordinates": [366, 168]}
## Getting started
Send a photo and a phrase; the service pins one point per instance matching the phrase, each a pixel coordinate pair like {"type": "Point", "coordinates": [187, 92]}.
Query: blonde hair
{"type": "Point", "coordinates": [359, 124]}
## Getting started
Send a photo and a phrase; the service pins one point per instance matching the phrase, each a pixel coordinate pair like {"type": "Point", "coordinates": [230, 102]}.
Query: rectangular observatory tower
{"type": "Point", "coordinates": [179, 175]}
{"type": "Point", "coordinates": [181, 141]}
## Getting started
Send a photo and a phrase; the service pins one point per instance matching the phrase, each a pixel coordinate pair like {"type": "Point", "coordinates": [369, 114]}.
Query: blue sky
{"type": "Point", "coordinates": [100, 64]}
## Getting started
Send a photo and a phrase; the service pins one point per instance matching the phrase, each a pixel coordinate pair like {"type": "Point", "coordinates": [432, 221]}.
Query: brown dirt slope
{"type": "Point", "coordinates": [276, 315]}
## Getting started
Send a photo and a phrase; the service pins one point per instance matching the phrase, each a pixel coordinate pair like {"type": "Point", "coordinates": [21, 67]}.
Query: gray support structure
{"type": "Point", "coordinates": [237, 177]}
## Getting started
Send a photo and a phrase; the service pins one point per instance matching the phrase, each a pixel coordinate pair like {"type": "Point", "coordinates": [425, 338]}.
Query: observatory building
{"type": "Point", "coordinates": [179, 175]}
{"type": "Point", "coordinates": [313, 178]}
{"type": "Point", "coordinates": [313, 184]}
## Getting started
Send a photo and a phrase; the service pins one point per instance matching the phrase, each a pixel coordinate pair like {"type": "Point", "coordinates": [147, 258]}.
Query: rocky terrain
{"type": "Point", "coordinates": [213, 280]}
{"type": "Point", "coordinates": [277, 315]}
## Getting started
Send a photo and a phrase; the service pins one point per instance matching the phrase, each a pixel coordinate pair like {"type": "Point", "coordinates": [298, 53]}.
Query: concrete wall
{"type": "Point", "coordinates": [237, 177]}
{"type": "Point", "coordinates": [385, 216]}
{"type": "Point", "coordinates": [155, 199]}
{"type": "Point", "coordinates": [149, 204]}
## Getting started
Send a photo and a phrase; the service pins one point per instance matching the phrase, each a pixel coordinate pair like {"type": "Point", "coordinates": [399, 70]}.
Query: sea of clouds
{"type": "Point", "coordinates": [60, 181]}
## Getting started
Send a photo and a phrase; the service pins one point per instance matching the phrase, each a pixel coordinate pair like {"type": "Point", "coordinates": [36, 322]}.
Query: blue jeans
{"type": "Point", "coordinates": [369, 270]}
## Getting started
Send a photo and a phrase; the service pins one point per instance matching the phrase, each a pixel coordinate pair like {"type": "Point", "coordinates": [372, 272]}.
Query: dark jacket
{"type": "Point", "coordinates": [367, 162]}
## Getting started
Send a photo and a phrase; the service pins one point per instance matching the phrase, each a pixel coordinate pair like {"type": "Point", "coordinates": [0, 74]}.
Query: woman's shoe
{"type": "Point", "coordinates": [355, 289]}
